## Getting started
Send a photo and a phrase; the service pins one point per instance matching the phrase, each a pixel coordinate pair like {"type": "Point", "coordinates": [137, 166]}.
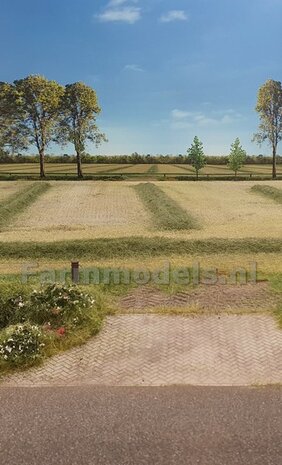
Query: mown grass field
{"type": "Point", "coordinates": [65, 215]}
{"type": "Point", "coordinates": [131, 171]}
{"type": "Point", "coordinates": [137, 224]}
{"type": "Point", "coordinates": [142, 224]}
{"type": "Point", "coordinates": [70, 210]}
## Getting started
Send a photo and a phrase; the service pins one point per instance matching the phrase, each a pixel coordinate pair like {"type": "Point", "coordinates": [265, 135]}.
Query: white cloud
{"type": "Point", "coordinates": [202, 120]}
{"type": "Point", "coordinates": [174, 15]}
{"type": "Point", "coordinates": [121, 10]}
{"type": "Point", "coordinates": [117, 2]}
{"type": "Point", "coordinates": [180, 114]}
{"type": "Point", "coordinates": [134, 67]}
{"type": "Point", "coordinates": [127, 15]}
{"type": "Point", "coordinates": [186, 119]}
{"type": "Point", "coordinates": [181, 125]}
{"type": "Point", "coordinates": [230, 111]}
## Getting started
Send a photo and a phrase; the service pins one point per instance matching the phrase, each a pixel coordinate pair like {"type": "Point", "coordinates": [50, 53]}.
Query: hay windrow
{"type": "Point", "coordinates": [269, 192]}
{"type": "Point", "coordinates": [166, 213]}
{"type": "Point", "coordinates": [134, 247]}
{"type": "Point", "coordinates": [16, 203]}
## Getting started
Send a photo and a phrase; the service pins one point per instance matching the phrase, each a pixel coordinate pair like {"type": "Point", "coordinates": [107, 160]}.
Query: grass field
{"type": "Point", "coordinates": [129, 171]}
{"type": "Point", "coordinates": [134, 223]}
{"type": "Point", "coordinates": [81, 206]}
{"type": "Point", "coordinates": [7, 189]}
{"type": "Point", "coordinates": [71, 210]}
{"type": "Point", "coordinates": [120, 226]}
{"type": "Point", "coordinates": [14, 204]}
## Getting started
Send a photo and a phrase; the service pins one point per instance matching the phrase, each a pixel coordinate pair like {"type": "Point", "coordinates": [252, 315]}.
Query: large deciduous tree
{"type": "Point", "coordinates": [5, 113]}
{"type": "Point", "coordinates": [237, 156]}
{"type": "Point", "coordinates": [196, 155]}
{"type": "Point", "coordinates": [269, 108]}
{"type": "Point", "coordinates": [79, 109]}
{"type": "Point", "coordinates": [13, 136]}
{"type": "Point", "coordinates": [38, 103]}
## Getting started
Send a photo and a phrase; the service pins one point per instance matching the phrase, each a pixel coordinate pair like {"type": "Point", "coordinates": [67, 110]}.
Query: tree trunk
{"type": "Point", "coordinates": [78, 163]}
{"type": "Point", "coordinates": [42, 164]}
{"type": "Point", "coordinates": [274, 172]}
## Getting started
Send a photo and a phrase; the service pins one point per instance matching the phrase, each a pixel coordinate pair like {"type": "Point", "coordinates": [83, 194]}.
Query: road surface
{"type": "Point", "coordinates": [96, 425]}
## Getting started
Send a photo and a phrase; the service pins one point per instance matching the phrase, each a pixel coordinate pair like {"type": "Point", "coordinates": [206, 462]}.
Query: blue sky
{"type": "Point", "coordinates": [164, 70]}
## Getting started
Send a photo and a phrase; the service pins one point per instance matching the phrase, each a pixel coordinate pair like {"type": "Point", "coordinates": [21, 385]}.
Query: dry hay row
{"type": "Point", "coordinates": [8, 188]}
{"type": "Point", "coordinates": [165, 212]}
{"type": "Point", "coordinates": [16, 203]}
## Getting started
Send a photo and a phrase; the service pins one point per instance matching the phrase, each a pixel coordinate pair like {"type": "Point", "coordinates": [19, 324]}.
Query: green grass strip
{"type": "Point", "coordinates": [268, 191]}
{"type": "Point", "coordinates": [18, 202]}
{"type": "Point", "coordinates": [165, 212]}
{"type": "Point", "coordinates": [152, 170]}
{"type": "Point", "coordinates": [123, 248]}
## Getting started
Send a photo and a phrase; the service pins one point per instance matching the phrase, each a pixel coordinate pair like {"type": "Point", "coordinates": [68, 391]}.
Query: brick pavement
{"type": "Point", "coordinates": [156, 350]}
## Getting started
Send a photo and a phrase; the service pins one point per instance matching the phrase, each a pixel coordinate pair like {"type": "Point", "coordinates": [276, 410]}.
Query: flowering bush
{"type": "Point", "coordinates": [59, 306]}
{"type": "Point", "coordinates": [21, 343]}
{"type": "Point", "coordinates": [41, 322]}
{"type": "Point", "coordinates": [13, 304]}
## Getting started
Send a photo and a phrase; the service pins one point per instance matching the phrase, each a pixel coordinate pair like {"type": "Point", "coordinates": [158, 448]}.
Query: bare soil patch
{"type": "Point", "coordinates": [205, 298]}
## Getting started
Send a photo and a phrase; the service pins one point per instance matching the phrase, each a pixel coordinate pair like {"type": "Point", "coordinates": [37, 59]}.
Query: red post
{"type": "Point", "coordinates": [75, 272]}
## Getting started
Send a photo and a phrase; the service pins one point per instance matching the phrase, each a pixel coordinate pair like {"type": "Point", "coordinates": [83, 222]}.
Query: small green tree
{"type": "Point", "coordinates": [237, 156]}
{"type": "Point", "coordinates": [196, 155]}
{"type": "Point", "coordinates": [38, 109]}
{"type": "Point", "coordinates": [79, 108]}
{"type": "Point", "coordinates": [269, 108]}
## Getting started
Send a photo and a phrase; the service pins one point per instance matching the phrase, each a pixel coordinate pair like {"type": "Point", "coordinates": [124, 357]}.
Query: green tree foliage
{"type": "Point", "coordinates": [196, 155]}
{"type": "Point", "coordinates": [5, 157]}
{"type": "Point", "coordinates": [38, 106]}
{"type": "Point", "coordinates": [269, 108]}
{"type": "Point", "coordinates": [237, 156]}
{"type": "Point", "coordinates": [13, 136]}
{"type": "Point", "coordinates": [79, 109]}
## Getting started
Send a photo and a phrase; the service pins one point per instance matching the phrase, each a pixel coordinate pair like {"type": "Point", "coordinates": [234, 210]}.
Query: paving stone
{"type": "Point", "coordinates": [156, 350]}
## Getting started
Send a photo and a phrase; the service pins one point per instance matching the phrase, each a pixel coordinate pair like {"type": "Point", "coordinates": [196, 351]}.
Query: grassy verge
{"type": "Point", "coordinates": [165, 212]}
{"type": "Point", "coordinates": [134, 247]}
{"type": "Point", "coordinates": [90, 322]}
{"type": "Point", "coordinates": [279, 315]}
{"type": "Point", "coordinates": [16, 203]}
{"type": "Point", "coordinates": [57, 345]}
{"type": "Point", "coordinates": [268, 191]}
{"type": "Point", "coordinates": [276, 282]}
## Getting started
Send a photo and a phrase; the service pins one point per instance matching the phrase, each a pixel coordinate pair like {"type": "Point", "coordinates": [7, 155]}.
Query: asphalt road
{"type": "Point", "coordinates": [121, 426]}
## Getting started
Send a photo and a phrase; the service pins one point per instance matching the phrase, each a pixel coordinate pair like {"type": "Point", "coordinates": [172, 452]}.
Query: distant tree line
{"type": "Point", "coordinates": [132, 159]}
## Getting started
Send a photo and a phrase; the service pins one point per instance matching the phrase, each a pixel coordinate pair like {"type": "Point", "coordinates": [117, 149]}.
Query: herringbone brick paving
{"type": "Point", "coordinates": [248, 298]}
{"type": "Point", "coordinates": [154, 350]}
